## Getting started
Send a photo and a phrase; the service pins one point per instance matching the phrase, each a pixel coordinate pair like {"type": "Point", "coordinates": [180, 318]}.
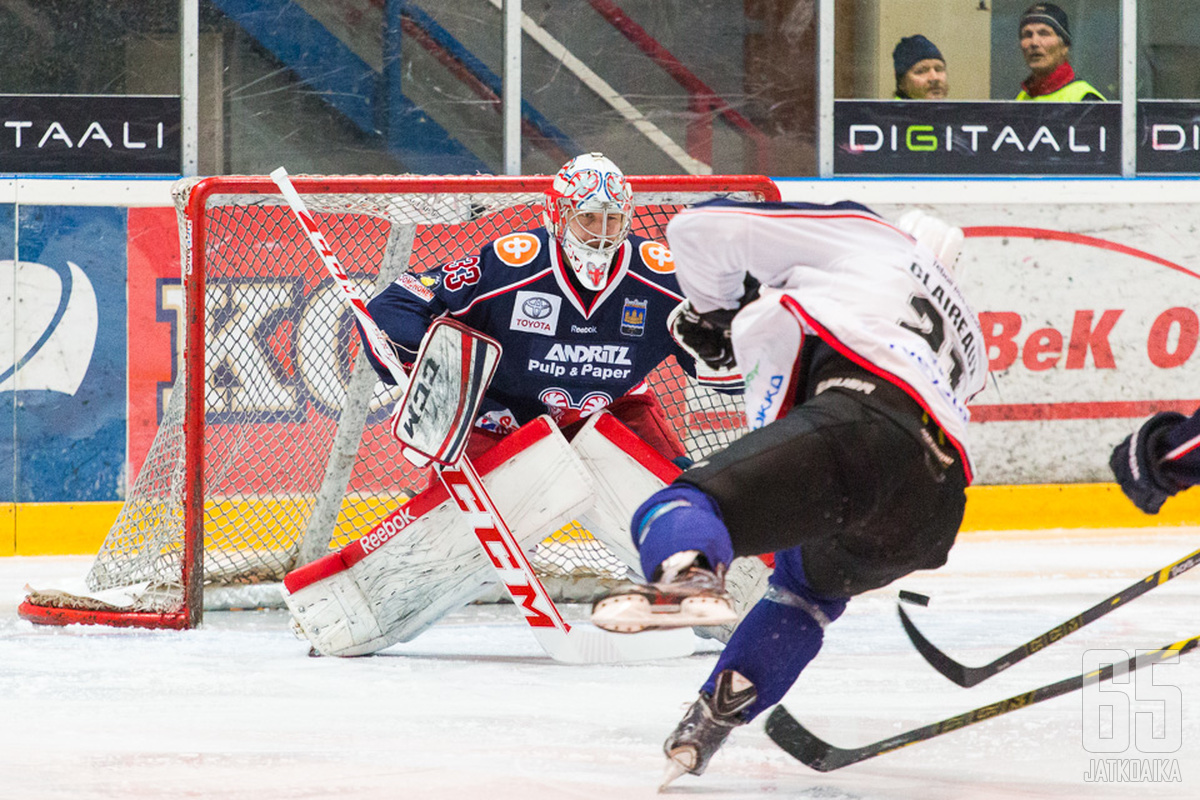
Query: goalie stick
{"type": "Point", "coordinates": [814, 752]}
{"type": "Point", "coordinates": [969, 676]}
{"type": "Point", "coordinates": [561, 641]}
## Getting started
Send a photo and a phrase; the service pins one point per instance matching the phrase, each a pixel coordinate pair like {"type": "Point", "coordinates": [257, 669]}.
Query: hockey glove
{"type": "Point", "coordinates": [1135, 463]}
{"type": "Point", "coordinates": [705, 336]}
{"type": "Point", "coordinates": [942, 238]}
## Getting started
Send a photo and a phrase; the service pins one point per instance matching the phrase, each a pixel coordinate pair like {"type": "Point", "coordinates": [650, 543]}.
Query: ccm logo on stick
{"type": "Point", "coordinates": [503, 550]}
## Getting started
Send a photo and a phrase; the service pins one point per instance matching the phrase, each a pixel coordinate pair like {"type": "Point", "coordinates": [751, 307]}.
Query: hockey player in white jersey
{"type": "Point", "coordinates": [860, 355]}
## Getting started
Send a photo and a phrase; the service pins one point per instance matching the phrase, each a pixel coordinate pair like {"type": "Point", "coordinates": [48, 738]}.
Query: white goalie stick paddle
{"type": "Point", "coordinates": [561, 641]}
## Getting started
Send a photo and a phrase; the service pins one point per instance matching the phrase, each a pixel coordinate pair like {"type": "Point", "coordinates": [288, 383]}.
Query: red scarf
{"type": "Point", "coordinates": [1062, 75]}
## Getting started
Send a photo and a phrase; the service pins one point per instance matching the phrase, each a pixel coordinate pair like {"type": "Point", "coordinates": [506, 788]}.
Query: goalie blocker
{"type": "Point", "coordinates": [423, 561]}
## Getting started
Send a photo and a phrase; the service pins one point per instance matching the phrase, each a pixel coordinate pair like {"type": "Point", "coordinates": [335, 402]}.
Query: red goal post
{"type": "Point", "coordinates": [273, 445]}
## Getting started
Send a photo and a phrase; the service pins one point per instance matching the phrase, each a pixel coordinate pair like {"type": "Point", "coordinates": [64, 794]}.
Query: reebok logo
{"type": "Point", "coordinates": [384, 531]}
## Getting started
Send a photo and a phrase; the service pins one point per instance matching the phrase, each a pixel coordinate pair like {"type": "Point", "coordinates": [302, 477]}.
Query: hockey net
{"type": "Point", "coordinates": [273, 446]}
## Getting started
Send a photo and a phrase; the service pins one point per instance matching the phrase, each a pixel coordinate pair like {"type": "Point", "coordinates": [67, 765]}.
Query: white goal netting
{"type": "Point", "coordinates": [293, 445]}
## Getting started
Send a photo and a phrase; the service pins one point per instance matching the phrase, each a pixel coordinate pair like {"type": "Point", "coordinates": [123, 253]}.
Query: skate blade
{"type": "Point", "coordinates": [633, 613]}
{"type": "Point", "coordinates": [676, 767]}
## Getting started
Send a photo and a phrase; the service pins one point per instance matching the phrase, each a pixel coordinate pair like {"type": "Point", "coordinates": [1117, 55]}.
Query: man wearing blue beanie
{"type": "Point", "coordinates": [920, 70]}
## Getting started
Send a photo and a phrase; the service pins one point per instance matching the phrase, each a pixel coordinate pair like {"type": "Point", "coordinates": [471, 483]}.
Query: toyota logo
{"type": "Point", "coordinates": [536, 308]}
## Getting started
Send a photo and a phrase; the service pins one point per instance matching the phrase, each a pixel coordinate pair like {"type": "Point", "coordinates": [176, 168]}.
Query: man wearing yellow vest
{"type": "Point", "coordinates": [1046, 43]}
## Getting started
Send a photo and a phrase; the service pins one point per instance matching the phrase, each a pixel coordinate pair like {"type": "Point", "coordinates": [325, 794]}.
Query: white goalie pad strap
{"type": "Point", "coordinates": [423, 561]}
{"type": "Point", "coordinates": [624, 471]}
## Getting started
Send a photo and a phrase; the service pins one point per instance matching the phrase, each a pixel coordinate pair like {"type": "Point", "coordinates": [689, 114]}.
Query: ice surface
{"type": "Point", "coordinates": [473, 709]}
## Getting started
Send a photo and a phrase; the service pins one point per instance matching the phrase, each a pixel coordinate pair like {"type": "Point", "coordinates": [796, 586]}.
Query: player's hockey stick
{"type": "Point", "coordinates": [561, 641]}
{"type": "Point", "coordinates": [969, 676]}
{"type": "Point", "coordinates": [814, 752]}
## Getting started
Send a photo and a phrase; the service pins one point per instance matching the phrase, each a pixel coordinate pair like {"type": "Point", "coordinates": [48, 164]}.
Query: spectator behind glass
{"type": "Point", "coordinates": [1045, 40]}
{"type": "Point", "coordinates": [920, 70]}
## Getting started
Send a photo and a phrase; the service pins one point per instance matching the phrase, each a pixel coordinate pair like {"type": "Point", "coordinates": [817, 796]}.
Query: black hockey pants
{"type": "Point", "coordinates": [865, 485]}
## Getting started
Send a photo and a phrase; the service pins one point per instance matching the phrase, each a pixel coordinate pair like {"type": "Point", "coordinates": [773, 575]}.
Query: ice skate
{"type": "Point", "coordinates": [746, 583]}
{"type": "Point", "coordinates": [706, 726]}
{"type": "Point", "coordinates": [686, 595]}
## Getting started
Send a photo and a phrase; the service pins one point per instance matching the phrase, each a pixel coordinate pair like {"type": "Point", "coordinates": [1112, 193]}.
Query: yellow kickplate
{"type": "Point", "coordinates": [8, 530]}
{"type": "Point", "coordinates": [1070, 505]}
{"type": "Point", "coordinates": [61, 529]}
{"type": "Point", "coordinates": [43, 529]}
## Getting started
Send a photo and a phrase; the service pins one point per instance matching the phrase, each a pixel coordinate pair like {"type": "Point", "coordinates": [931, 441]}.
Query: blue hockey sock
{"type": "Point", "coordinates": [780, 635]}
{"type": "Point", "coordinates": [676, 518]}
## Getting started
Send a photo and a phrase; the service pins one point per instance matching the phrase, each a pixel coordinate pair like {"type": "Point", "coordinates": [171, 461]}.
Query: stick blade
{"type": "Point", "coordinates": [800, 743]}
{"type": "Point", "coordinates": [585, 644]}
{"type": "Point", "coordinates": [964, 676]}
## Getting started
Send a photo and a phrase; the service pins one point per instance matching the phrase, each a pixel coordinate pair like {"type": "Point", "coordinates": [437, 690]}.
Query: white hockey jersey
{"type": "Point", "coordinates": [862, 285]}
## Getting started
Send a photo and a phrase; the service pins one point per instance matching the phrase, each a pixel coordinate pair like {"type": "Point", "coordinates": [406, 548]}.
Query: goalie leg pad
{"type": "Point", "coordinates": [624, 471]}
{"type": "Point", "coordinates": [424, 561]}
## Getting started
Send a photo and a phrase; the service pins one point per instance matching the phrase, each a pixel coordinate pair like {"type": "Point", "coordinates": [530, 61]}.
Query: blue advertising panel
{"type": "Point", "coordinates": [68, 377]}
{"type": "Point", "coordinates": [8, 308]}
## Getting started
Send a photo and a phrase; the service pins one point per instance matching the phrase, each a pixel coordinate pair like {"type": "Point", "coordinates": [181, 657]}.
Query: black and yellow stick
{"type": "Point", "coordinates": [969, 676]}
{"type": "Point", "coordinates": [802, 744]}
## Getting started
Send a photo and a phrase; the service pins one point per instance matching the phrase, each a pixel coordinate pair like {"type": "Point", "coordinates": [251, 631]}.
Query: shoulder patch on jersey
{"type": "Point", "coordinates": [657, 257]}
{"type": "Point", "coordinates": [415, 285]}
{"type": "Point", "coordinates": [517, 249]}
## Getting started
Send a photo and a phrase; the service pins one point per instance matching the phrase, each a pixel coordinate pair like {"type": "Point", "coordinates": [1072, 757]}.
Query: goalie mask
{"type": "Point", "coordinates": [588, 210]}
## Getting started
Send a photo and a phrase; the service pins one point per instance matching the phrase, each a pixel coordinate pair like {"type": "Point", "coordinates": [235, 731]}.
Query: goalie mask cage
{"type": "Point", "coordinates": [273, 447]}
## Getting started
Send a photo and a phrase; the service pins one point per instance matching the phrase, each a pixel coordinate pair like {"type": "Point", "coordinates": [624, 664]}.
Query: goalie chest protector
{"type": "Point", "coordinates": [561, 356]}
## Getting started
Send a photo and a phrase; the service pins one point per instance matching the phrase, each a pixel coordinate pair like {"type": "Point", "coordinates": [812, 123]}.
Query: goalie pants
{"type": "Point", "coordinates": [641, 413]}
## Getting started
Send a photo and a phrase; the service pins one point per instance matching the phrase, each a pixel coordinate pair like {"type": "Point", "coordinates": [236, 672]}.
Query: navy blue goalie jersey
{"type": "Point", "coordinates": [563, 354]}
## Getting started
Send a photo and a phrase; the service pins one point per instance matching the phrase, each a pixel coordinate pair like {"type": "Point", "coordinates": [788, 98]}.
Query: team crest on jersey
{"type": "Point", "coordinates": [633, 317]}
{"type": "Point", "coordinates": [657, 257]}
{"type": "Point", "coordinates": [517, 249]}
{"type": "Point", "coordinates": [536, 312]}
{"type": "Point", "coordinates": [415, 286]}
